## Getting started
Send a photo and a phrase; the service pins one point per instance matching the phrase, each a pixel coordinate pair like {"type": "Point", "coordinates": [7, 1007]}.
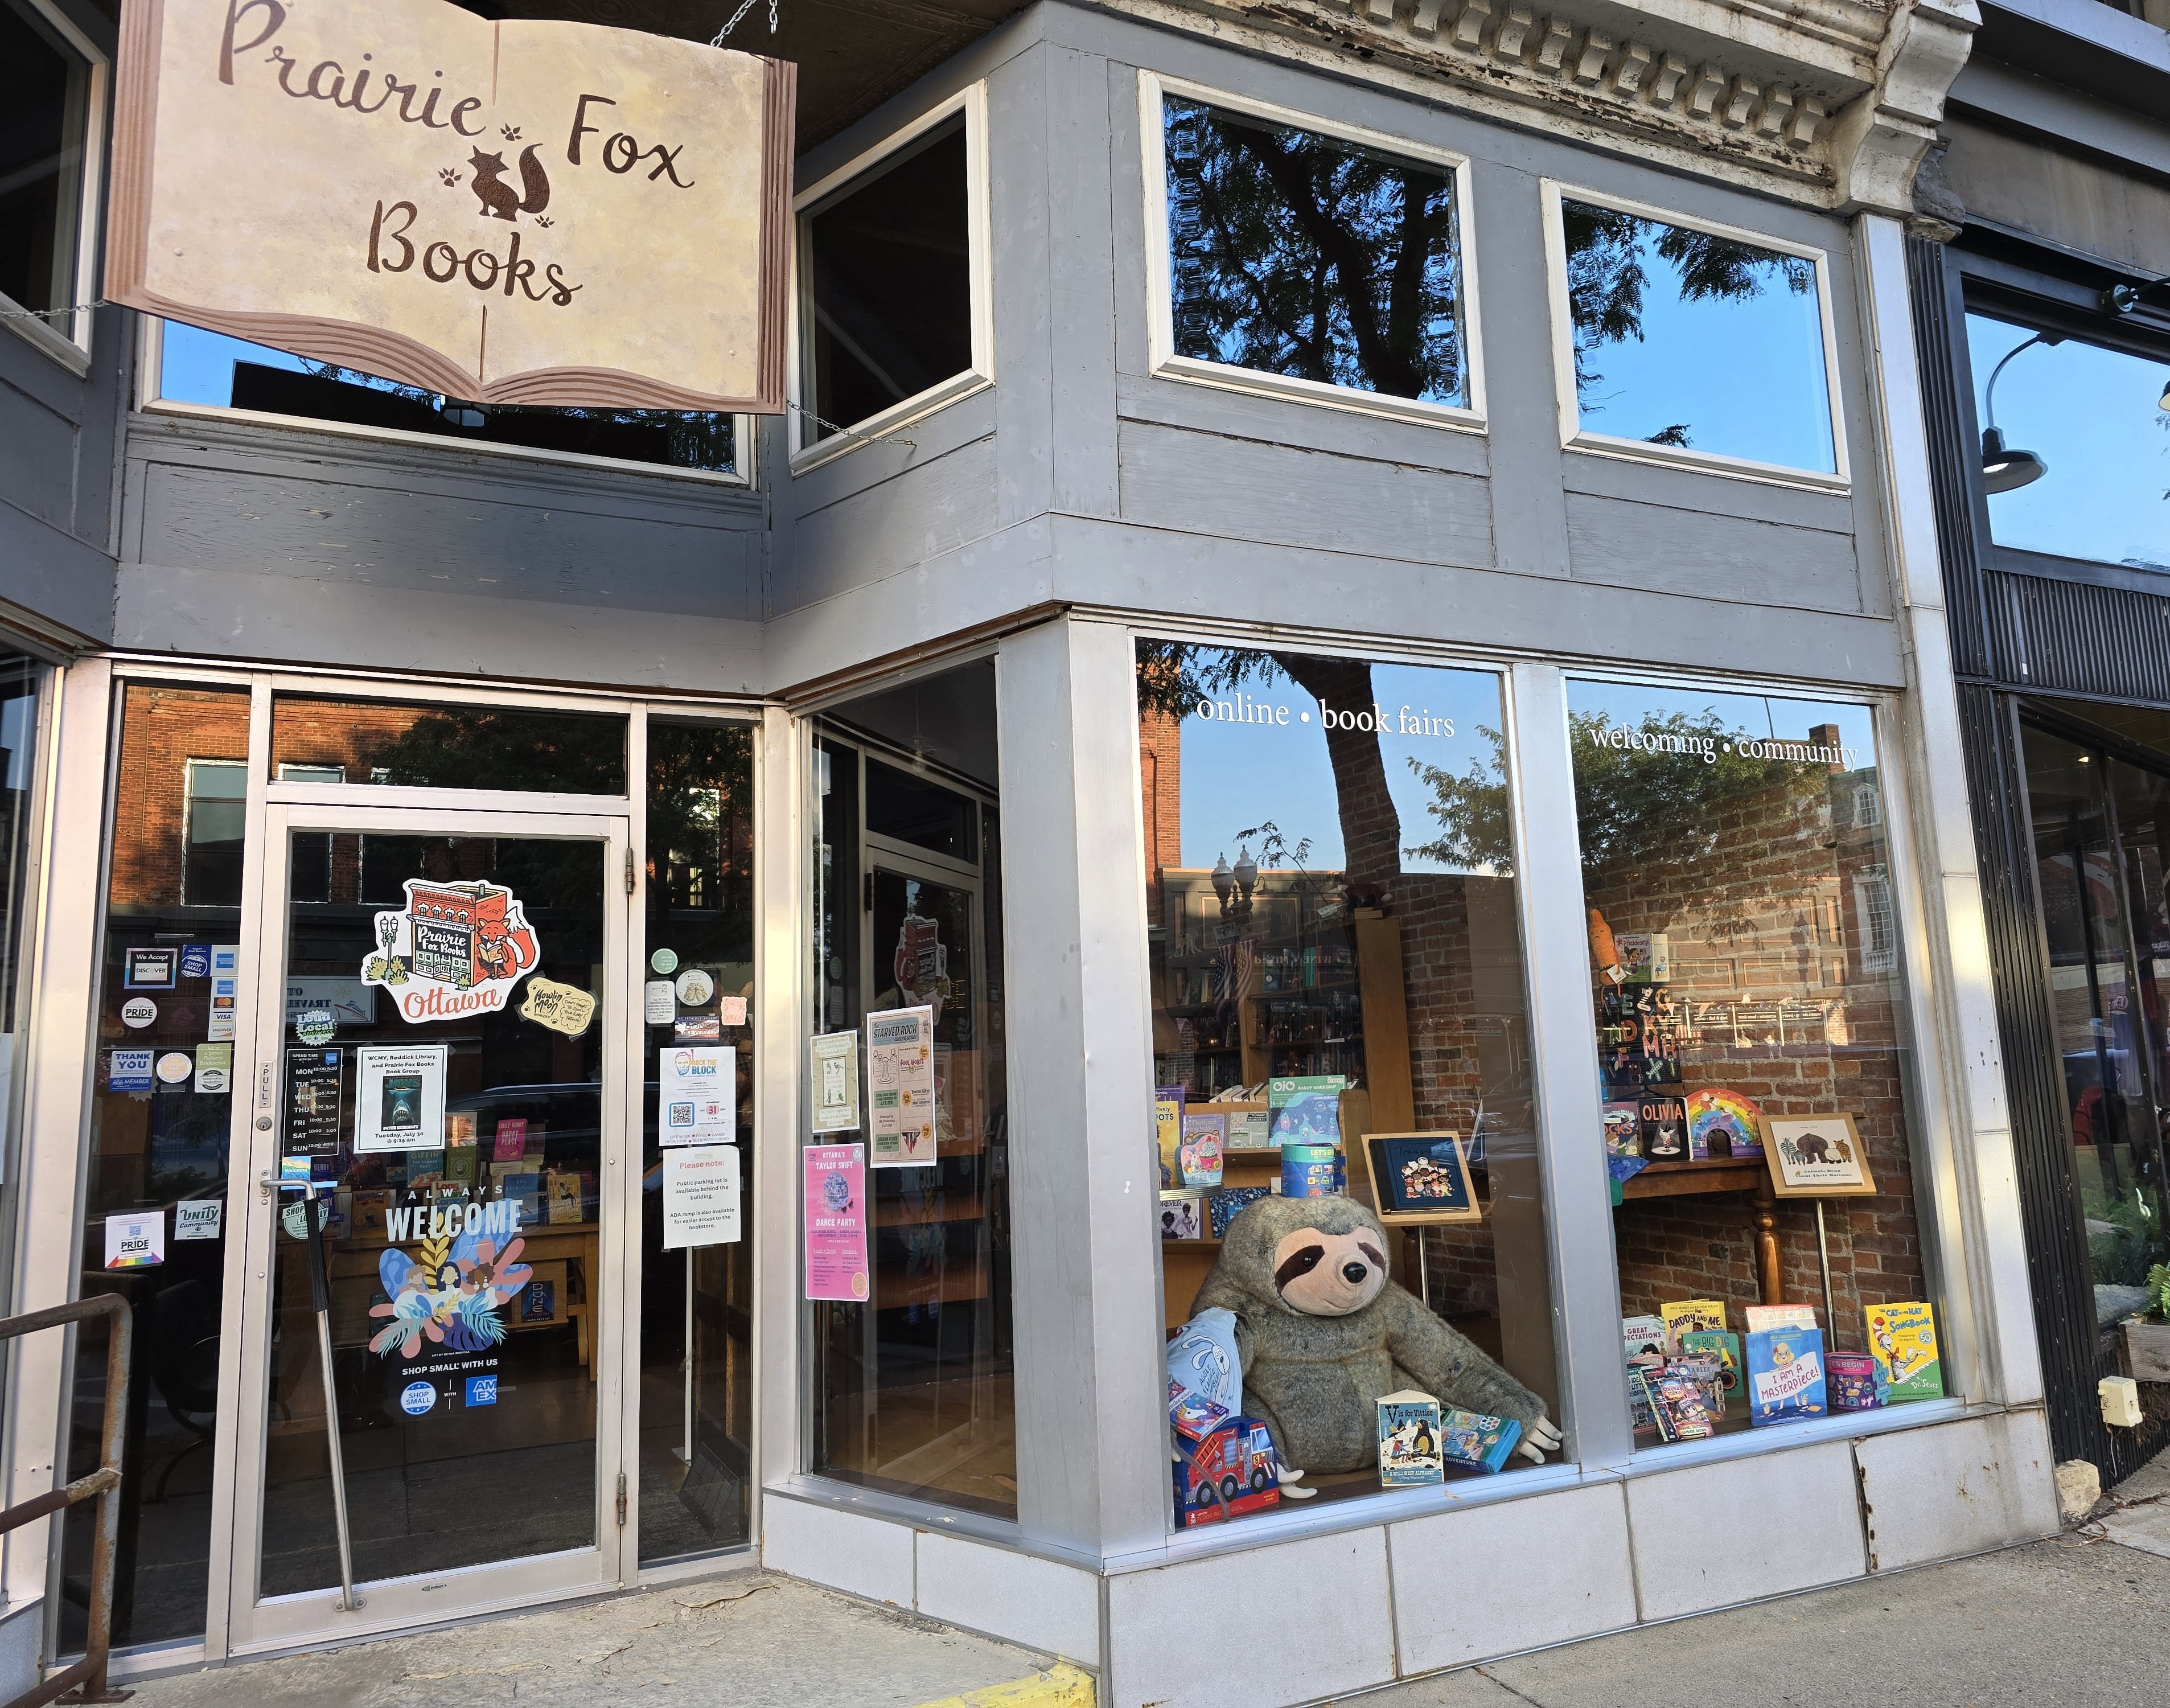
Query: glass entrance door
{"type": "Point", "coordinates": [439, 1052]}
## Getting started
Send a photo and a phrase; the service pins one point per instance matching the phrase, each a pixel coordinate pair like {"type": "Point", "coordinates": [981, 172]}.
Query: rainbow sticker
{"type": "Point", "coordinates": [1723, 1123]}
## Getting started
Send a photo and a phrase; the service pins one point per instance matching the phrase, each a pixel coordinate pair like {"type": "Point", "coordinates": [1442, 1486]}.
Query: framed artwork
{"type": "Point", "coordinates": [1420, 1178]}
{"type": "Point", "coordinates": [1816, 1156]}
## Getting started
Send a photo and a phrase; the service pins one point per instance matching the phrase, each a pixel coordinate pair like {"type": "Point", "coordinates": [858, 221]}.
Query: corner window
{"type": "Point", "coordinates": [49, 80]}
{"type": "Point", "coordinates": [892, 275]}
{"type": "Point", "coordinates": [1344, 1112]}
{"type": "Point", "coordinates": [209, 370]}
{"type": "Point", "coordinates": [1755, 1047]}
{"type": "Point", "coordinates": [1321, 260]}
{"type": "Point", "coordinates": [2075, 444]}
{"type": "Point", "coordinates": [1691, 342]}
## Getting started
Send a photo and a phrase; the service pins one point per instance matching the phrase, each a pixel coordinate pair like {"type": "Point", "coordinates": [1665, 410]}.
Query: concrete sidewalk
{"type": "Point", "coordinates": [750, 1639]}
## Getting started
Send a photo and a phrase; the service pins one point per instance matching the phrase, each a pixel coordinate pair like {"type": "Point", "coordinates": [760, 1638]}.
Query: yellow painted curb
{"type": "Point", "coordinates": [1061, 1686]}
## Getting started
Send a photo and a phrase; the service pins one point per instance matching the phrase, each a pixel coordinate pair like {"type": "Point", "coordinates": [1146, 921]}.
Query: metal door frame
{"type": "Point", "coordinates": [311, 1618]}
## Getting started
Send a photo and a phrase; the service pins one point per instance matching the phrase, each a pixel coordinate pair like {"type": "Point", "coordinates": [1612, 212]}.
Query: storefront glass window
{"type": "Point", "coordinates": [887, 264]}
{"type": "Point", "coordinates": [19, 679]}
{"type": "Point", "coordinates": [44, 90]}
{"type": "Point", "coordinates": [1344, 1113]}
{"type": "Point", "coordinates": [1695, 339]}
{"type": "Point", "coordinates": [418, 744]}
{"type": "Point", "coordinates": [197, 367]}
{"type": "Point", "coordinates": [2101, 831]}
{"type": "Point", "coordinates": [907, 1256]}
{"type": "Point", "coordinates": [1301, 254]}
{"type": "Point", "coordinates": [697, 1301]}
{"type": "Point", "coordinates": [1749, 1002]}
{"type": "Point", "coordinates": [2080, 464]}
{"type": "Point", "coordinates": [158, 1150]}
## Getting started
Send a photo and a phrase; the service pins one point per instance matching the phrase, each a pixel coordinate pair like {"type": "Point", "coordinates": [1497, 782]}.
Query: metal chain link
{"type": "Point", "coordinates": [738, 17]}
{"type": "Point", "coordinates": [40, 313]}
{"type": "Point", "coordinates": [849, 433]}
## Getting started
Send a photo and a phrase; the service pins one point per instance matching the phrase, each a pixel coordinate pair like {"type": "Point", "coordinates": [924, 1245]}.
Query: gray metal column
{"type": "Point", "coordinates": [1091, 1416]}
{"type": "Point", "coordinates": [1570, 1112]}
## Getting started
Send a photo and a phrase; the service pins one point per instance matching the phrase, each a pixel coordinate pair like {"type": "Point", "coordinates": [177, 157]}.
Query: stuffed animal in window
{"type": "Point", "coordinates": [1323, 1333]}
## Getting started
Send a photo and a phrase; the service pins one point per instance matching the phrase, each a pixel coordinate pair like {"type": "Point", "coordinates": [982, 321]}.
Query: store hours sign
{"type": "Point", "coordinates": [511, 212]}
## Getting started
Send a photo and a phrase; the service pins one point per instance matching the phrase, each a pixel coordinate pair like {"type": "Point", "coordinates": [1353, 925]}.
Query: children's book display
{"type": "Point", "coordinates": [1786, 1376]}
{"type": "Point", "coordinates": [1476, 1441]}
{"type": "Point", "coordinates": [1224, 1464]}
{"type": "Point", "coordinates": [1408, 1440]}
{"type": "Point", "coordinates": [1902, 1339]}
{"type": "Point", "coordinates": [1850, 1381]}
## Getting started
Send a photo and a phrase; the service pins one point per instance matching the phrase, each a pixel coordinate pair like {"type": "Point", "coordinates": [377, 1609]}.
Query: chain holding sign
{"type": "Point", "coordinates": [517, 212]}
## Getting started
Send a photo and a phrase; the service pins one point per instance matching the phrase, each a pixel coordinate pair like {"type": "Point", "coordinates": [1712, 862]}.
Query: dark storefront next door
{"type": "Point", "coordinates": [2101, 832]}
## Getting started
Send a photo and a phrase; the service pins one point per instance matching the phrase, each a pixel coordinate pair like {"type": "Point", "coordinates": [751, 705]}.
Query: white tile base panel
{"type": "Point", "coordinates": [1340, 1613]}
{"type": "Point", "coordinates": [1962, 1488]}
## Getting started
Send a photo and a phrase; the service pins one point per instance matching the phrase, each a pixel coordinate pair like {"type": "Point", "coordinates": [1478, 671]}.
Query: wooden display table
{"type": "Point", "coordinates": [1724, 1174]}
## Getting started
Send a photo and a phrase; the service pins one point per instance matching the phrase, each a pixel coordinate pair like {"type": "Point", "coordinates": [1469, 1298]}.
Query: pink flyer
{"type": "Point", "coordinates": [837, 1221]}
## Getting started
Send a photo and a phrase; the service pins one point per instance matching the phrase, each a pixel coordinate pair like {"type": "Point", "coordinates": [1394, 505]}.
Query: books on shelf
{"type": "Point", "coordinates": [1726, 1349]}
{"type": "Point", "coordinates": [1676, 1405]}
{"type": "Point", "coordinates": [1410, 1440]}
{"type": "Point", "coordinates": [1902, 1339]}
{"type": "Point", "coordinates": [1476, 1440]}
{"type": "Point", "coordinates": [1785, 1375]}
{"type": "Point", "coordinates": [1687, 1315]}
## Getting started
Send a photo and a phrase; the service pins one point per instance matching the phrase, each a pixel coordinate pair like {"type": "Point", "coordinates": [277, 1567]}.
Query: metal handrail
{"type": "Point", "coordinates": [103, 1483]}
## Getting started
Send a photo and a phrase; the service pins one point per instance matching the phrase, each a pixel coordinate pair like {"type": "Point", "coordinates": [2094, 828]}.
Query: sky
{"type": "Point", "coordinates": [1238, 776]}
{"type": "Point", "coordinates": [1747, 378]}
{"type": "Point", "coordinates": [199, 365]}
{"type": "Point", "coordinates": [2094, 416]}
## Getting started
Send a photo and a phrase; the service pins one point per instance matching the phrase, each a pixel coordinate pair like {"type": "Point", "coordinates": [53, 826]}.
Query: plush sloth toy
{"type": "Point", "coordinates": [1323, 1334]}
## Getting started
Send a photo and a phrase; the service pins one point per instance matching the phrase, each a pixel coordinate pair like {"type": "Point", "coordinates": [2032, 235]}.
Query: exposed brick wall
{"type": "Point", "coordinates": [163, 728]}
{"type": "Point", "coordinates": [1765, 937]}
{"type": "Point", "coordinates": [1160, 768]}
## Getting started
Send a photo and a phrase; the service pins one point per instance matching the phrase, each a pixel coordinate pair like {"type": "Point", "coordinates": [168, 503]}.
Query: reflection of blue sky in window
{"type": "Point", "coordinates": [1236, 776]}
{"type": "Point", "coordinates": [1761, 717]}
{"type": "Point", "coordinates": [198, 366]}
{"type": "Point", "coordinates": [2092, 416]}
{"type": "Point", "coordinates": [1744, 379]}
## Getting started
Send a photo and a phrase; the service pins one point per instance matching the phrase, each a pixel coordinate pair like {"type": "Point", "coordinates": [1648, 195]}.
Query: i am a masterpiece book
{"type": "Point", "coordinates": [1785, 1376]}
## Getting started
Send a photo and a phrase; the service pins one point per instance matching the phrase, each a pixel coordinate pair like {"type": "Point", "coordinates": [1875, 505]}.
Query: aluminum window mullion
{"type": "Point", "coordinates": [1563, 1040]}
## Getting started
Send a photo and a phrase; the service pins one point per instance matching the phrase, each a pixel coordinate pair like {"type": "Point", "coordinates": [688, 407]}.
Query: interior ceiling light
{"type": "Point", "coordinates": [2005, 468]}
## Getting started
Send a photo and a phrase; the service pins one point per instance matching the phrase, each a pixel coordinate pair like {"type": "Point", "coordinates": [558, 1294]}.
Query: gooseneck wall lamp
{"type": "Point", "coordinates": [2003, 468]}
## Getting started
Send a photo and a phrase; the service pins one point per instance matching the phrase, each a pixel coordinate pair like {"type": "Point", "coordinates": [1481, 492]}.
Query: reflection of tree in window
{"type": "Point", "coordinates": [487, 747]}
{"type": "Point", "coordinates": [1300, 255]}
{"type": "Point", "coordinates": [701, 840]}
{"type": "Point", "coordinates": [1608, 255]}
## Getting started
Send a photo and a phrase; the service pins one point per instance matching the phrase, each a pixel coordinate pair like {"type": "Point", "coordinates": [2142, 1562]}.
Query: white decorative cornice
{"type": "Point", "coordinates": [1830, 102]}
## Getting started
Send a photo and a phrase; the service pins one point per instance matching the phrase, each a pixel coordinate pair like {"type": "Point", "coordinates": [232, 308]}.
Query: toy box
{"type": "Point", "coordinates": [1850, 1378]}
{"type": "Point", "coordinates": [1233, 1471]}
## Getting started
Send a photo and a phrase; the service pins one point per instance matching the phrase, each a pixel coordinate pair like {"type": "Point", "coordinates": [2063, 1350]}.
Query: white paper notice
{"type": "Point", "coordinates": [696, 1093]}
{"type": "Point", "coordinates": [836, 1064]}
{"type": "Point", "coordinates": [701, 1196]}
{"type": "Point", "coordinates": [658, 1002]}
{"type": "Point", "coordinates": [399, 1098]}
{"type": "Point", "coordinates": [135, 1241]}
{"type": "Point", "coordinates": [901, 1088]}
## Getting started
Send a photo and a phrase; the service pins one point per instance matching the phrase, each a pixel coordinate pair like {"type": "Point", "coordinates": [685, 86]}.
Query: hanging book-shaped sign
{"type": "Point", "coordinates": [454, 950]}
{"type": "Point", "coordinates": [513, 212]}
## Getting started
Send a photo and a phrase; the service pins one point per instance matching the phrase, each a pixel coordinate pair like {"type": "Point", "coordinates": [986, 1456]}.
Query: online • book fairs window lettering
{"type": "Point", "coordinates": [1343, 1116]}
{"type": "Point", "coordinates": [1749, 1002]}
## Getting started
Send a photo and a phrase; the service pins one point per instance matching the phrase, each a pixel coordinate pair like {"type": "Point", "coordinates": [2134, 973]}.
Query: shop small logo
{"type": "Point", "coordinates": [416, 1398]}
{"type": "Point", "coordinates": [482, 1390]}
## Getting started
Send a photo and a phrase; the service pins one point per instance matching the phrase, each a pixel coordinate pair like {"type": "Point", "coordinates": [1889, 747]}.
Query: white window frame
{"type": "Point", "coordinates": [151, 362]}
{"type": "Point", "coordinates": [1574, 437]}
{"type": "Point", "coordinates": [72, 348]}
{"type": "Point", "coordinates": [1872, 886]}
{"type": "Point", "coordinates": [1165, 363]}
{"type": "Point", "coordinates": [808, 451]}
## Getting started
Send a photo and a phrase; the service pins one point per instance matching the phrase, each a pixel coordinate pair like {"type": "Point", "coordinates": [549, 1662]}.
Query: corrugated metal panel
{"type": "Point", "coordinates": [2070, 637]}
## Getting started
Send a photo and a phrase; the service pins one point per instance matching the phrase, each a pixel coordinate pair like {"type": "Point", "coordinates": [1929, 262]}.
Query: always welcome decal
{"type": "Point", "coordinates": [454, 950]}
{"type": "Point", "coordinates": [517, 212]}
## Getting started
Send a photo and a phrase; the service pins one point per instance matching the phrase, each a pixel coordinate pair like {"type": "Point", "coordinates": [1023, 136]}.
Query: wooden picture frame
{"type": "Point", "coordinates": [1386, 1154]}
{"type": "Point", "coordinates": [1841, 1172]}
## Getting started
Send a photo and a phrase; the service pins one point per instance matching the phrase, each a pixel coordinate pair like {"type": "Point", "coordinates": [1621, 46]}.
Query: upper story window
{"type": "Point", "coordinates": [893, 280]}
{"type": "Point", "coordinates": [214, 823]}
{"type": "Point", "coordinates": [1303, 260]}
{"type": "Point", "coordinates": [2076, 444]}
{"type": "Point", "coordinates": [51, 79]}
{"type": "Point", "coordinates": [192, 365]}
{"type": "Point", "coordinates": [1691, 342]}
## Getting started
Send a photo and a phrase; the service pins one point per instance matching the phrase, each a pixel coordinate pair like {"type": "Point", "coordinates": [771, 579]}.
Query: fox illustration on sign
{"type": "Point", "coordinates": [455, 948]}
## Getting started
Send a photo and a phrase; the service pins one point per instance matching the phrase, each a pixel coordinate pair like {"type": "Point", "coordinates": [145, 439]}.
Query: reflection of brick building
{"type": "Point", "coordinates": [170, 730]}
